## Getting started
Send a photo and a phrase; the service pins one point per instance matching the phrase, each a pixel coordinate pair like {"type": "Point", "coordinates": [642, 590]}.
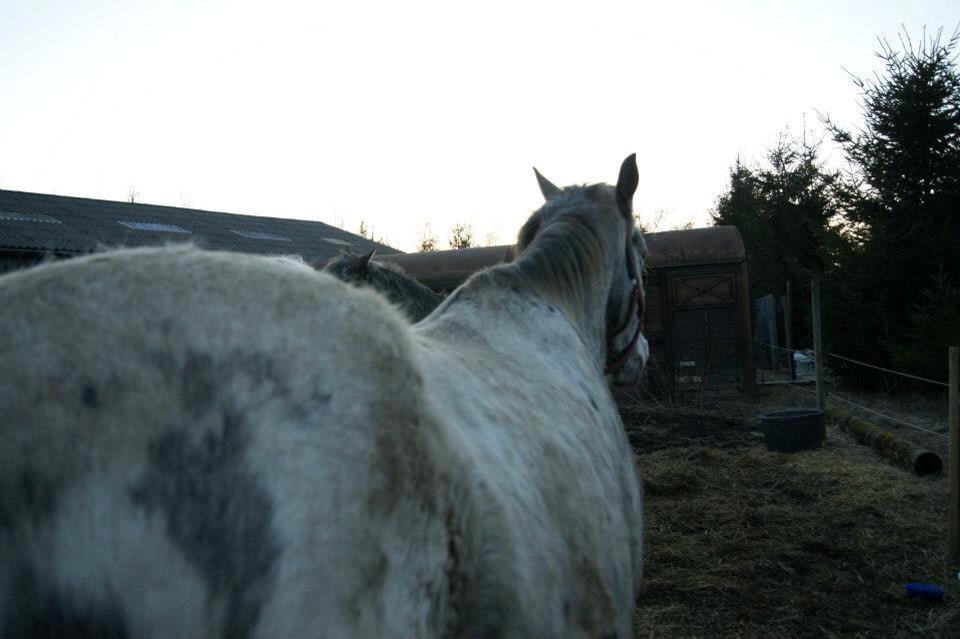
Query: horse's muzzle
{"type": "Point", "coordinates": [630, 373]}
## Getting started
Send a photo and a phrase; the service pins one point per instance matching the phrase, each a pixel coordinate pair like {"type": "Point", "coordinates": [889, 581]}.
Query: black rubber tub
{"type": "Point", "coordinates": [793, 429]}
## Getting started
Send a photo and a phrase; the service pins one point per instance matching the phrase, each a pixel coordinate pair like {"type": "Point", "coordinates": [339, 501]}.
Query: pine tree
{"type": "Point", "coordinates": [787, 214]}
{"type": "Point", "coordinates": [903, 199]}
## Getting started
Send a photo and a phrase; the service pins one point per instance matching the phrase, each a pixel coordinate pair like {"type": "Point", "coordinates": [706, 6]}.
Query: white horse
{"type": "Point", "coordinates": [206, 444]}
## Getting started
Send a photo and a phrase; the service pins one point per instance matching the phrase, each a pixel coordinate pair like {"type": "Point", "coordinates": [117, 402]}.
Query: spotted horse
{"type": "Point", "coordinates": [209, 444]}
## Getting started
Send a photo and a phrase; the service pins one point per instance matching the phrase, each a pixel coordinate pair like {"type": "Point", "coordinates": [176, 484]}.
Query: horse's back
{"type": "Point", "coordinates": [185, 431]}
{"type": "Point", "coordinates": [555, 503]}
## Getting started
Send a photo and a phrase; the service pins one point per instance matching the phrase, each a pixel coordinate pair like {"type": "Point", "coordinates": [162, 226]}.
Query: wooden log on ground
{"type": "Point", "coordinates": [892, 448]}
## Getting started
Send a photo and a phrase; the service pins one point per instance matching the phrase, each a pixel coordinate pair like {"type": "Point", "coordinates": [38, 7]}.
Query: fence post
{"type": "Point", "coordinates": [817, 343]}
{"type": "Point", "coordinates": [953, 473]}
{"type": "Point", "coordinates": [788, 331]}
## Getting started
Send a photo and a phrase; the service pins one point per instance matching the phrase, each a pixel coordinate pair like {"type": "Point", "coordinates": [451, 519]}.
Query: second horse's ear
{"type": "Point", "coordinates": [548, 188]}
{"type": "Point", "coordinates": [361, 263]}
{"type": "Point", "coordinates": [356, 266]}
{"type": "Point", "coordinates": [627, 184]}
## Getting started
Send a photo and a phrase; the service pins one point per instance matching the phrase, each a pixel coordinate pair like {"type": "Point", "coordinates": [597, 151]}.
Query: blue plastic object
{"type": "Point", "coordinates": [924, 592]}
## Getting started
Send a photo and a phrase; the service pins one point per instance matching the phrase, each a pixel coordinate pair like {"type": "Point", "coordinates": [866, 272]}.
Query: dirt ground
{"type": "Point", "coordinates": [744, 542]}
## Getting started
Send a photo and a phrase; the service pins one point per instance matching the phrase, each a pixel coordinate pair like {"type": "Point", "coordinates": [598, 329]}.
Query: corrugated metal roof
{"type": "Point", "coordinates": [60, 224]}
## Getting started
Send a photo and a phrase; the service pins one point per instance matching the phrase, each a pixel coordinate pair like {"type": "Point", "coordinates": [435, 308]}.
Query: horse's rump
{"type": "Point", "coordinates": [179, 429]}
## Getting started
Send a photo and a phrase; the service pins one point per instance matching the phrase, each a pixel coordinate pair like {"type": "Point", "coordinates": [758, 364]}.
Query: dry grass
{"type": "Point", "coordinates": [742, 542]}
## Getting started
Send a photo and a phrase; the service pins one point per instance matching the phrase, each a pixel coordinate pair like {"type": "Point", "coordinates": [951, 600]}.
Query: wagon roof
{"type": "Point", "coordinates": [66, 225]}
{"type": "Point", "coordinates": [712, 245]}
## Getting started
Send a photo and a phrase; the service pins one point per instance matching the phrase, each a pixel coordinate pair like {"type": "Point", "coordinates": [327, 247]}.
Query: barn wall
{"type": "Point", "coordinates": [16, 260]}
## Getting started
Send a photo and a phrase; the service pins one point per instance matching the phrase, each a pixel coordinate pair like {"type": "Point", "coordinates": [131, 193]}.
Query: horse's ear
{"type": "Point", "coordinates": [627, 184]}
{"type": "Point", "coordinates": [356, 265]}
{"type": "Point", "coordinates": [548, 188]}
{"type": "Point", "coordinates": [361, 263]}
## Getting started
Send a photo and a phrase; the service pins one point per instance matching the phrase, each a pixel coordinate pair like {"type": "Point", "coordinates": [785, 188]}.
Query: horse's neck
{"type": "Point", "coordinates": [576, 279]}
{"type": "Point", "coordinates": [528, 294]}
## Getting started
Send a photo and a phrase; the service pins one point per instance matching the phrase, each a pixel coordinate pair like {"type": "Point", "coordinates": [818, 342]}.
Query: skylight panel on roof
{"type": "Point", "coordinates": [260, 235]}
{"type": "Point", "coordinates": [14, 216]}
{"type": "Point", "coordinates": [336, 241]}
{"type": "Point", "coordinates": [156, 227]}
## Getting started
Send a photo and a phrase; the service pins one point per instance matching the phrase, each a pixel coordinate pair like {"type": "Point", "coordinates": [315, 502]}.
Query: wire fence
{"type": "Point", "coordinates": [779, 348]}
{"type": "Point", "coordinates": [885, 416]}
{"type": "Point", "coordinates": [855, 361]}
{"type": "Point", "coordinates": [859, 406]}
{"type": "Point", "coordinates": [888, 370]}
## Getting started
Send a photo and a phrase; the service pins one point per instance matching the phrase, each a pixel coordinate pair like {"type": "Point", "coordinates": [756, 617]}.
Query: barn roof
{"type": "Point", "coordinates": [64, 225]}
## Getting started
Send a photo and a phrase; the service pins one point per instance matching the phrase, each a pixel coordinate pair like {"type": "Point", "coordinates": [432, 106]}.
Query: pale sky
{"type": "Point", "coordinates": [404, 112]}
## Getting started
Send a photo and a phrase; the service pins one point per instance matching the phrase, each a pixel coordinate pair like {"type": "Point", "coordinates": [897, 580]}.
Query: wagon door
{"type": "Point", "coordinates": [707, 335]}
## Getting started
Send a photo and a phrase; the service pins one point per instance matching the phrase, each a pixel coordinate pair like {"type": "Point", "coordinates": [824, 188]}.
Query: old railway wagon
{"type": "Point", "coordinates": [697, 315]}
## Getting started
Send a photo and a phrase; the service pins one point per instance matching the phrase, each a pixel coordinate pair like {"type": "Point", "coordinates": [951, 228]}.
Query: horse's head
{"type": "Point", "coordinates": [403, 290]}
{"type": "Point", "coordinates": [603, 216]}
{"type": "Point", "coordinates": [350, 268]}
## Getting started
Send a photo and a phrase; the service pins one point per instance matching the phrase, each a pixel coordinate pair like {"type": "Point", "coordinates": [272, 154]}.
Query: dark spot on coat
{"type": "Point", "coordinates": [376, 572]}
{"type": "Point", "coordinates": [88, 395]}
{"type": "Point", "coordinates": [165, 363]}
{"type": "Point", "coordinates": [372, 572]}
{"type": "Point", "coordinates": [305, 413]}
{"type": "Point", "coordinates": [217, 514]}
{"type": "Point", "coordinates": [201, 378]}
{"type": "Point", "coordinates": [453, 569]}
{"type": "Point", "coordinates": [455, 576]}
{"type": "Point", "coordinates": [402, 463]}
{"type": "Point", "coordinates": [594, 610]}
{"type": "Point", "coordinates": [32, 496]}
{"type": "Point", "coordinates": [199, 382]}
{"type": "Point", "coordinates": [37, 494]}
{"type": "Point", "coordinates": [34, 611]}
{"type": "Point", "coordinates": [594, 404]}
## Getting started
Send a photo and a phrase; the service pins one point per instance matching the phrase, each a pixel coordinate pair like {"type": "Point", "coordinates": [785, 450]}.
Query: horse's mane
{"type": "Point", "coordinates": [560, 248]}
